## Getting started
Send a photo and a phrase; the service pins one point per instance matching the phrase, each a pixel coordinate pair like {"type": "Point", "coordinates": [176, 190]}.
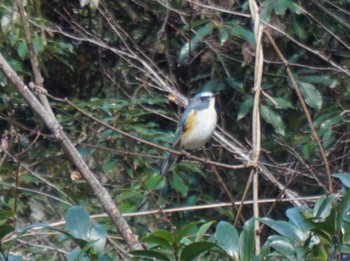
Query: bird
{"type": "Point", "coordinates": [195, 127]}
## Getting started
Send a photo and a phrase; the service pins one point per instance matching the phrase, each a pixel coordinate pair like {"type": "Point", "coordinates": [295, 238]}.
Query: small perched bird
{"type": "Point", "coordinates": [195, 127]}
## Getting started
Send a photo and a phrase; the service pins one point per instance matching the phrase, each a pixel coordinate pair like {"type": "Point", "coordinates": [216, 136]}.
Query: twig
{"type": "Point", "coordinates": [256, 209]}
{"type": "Point", "coordinates": [244, 196]}
{"type": "Point", "coordinates": [315, 52]}
{"type": "Point", "coordinates": [305, 109]}
{"type": "Point", "coordinates": [39, 80]}
{"type": "Point", "coordinates": [51, 122]}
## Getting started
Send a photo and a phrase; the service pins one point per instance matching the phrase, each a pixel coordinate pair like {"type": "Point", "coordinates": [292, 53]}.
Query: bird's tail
{"type": "Point", "coordinates": [166, 164]}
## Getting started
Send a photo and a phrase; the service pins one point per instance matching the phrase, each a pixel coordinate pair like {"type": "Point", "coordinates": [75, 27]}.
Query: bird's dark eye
{"type": "Point", "coordinates": [204, 98]}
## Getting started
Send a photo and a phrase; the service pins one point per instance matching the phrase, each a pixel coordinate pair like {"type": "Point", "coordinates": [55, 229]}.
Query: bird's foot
{"type": "Point", "coordinates": [186, 154]}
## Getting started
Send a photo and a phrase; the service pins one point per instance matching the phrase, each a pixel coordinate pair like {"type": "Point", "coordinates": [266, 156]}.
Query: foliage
{"type": "Point", "coordinates": [124, 63]}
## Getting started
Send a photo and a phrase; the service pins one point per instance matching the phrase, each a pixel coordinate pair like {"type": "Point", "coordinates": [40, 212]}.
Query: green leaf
{"type": "Point", "coordinates": [193, 250]}
{"type": "Point", "coordinates": [193, 44]}
{"type": "Point", "coordinates": [185, 230]}
{"type": "Point", "coordinates": [5, 214]}
{"type": "Point", "coordinates": [344, 178]}
{"type": "Point", "coordinates": [330, 122]}
{"type": "Point", "coordinates": [295, 216]}
{"type": "Point", "coordinates": [153, 182]}
{"type": "Point", "coordinates": [323, 207]}
{"type": "Point", "coordinates": [247, 241]}
{"type": "Point", "coordinates": [327, 138]}
{"type": "Point", "coordinates": [203, 229]}
{"type": "Point", "coordinates": [223, 35]}
{"type": "Point", "coordinates": [5, 230]}
{"type": "Point", "coordinates": [272, 117]}
{"type": "Point", "coordinates": [325, 80]}
{"type": "Point", "coordinates": [244, 108]}
{"type": "Point", "coordinates": [343, 209]}
{"type": "Point", "coordinates": [285, 229]}
{"type": "Point", "coordinates": [179, 185]}
{"type": "Point", "coordinates": [38, 43]}
{"type": "Point", "coordinates": [98, 236]}
{"type": "Point", "coordinates": [152, 254]}
{"type": "Point", "coordinates": [282, 245]}
{"type": "Point", "coordinates": [243, 33]}
{"type": "Point", "coordinates": [279, 7]}
{"type": "Point", "coordinates": [22, 50]}
{"type": "Point", "coordinates": [233, 83]}
{"type": "Point", "coordinates": [283, 103]}
{"type": "Point", "coordinates": [227, 238]}
{"type": "Point", "coordinates": [166, 235]}
{"type": "Point", "coordinates": [158, 241]}
{"type": "Point", "coordinates": [109, 165]}
{"type": "Point", "coordinates": [311, 95]}
{"type": "Point", "coordinates": [308, 149]}
{"type": "Point", "coordinates": [78, 222]}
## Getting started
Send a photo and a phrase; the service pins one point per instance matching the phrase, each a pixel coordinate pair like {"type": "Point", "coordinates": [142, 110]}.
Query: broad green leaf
{"type": "Point", "coordinates": [223, 35]}
{"type": "Point", "coordinates": [203, 229]}
{"type": "Point", "coordinates": [74, 255]}
{"type": "Point", "coordinates": [193, 250]}
{"type": "Point", "coordinates": [344, 178]}
{"type": "Point", "coordinates": [213, 86]}
{"type": "Point", "coordinates": [184, 231]}
{"type": "Point", "coordinates": [323, 207]}
{"type": "Point", "coordinates": [109, 165]}
{"type": "Point", "coordinates": [153, 182]}
{"type": "Point", "coordinates": [272, 117]}
{"type": "Point", "coordinates": [233, 83]}
{"type": "Point", "coordinates": [325, 80]}
{"type": "Point", "coordinates": [282, 245]}
{"type": "Point", "coordinates": [247, 241]}
{"type": "Point", "coordinates": [22, 49]}
{"type": "Point", "coordinates": [295, 216]}
{"type": "Point", "coordinates": [158, 241]}
{"type": "Point", "coordinates": [98, 236]}
{"type": "Point", "coordinates": [285, 229]}
{"type": "Point", "coordinates": [343, 209]}
{"type": "Point", "coordinates": [244, 108]}
{"type": "Point", "coordinates": [166, 235]}
{"type": "Point", "coordinates": [279, 7]}
{"type": "Point", "coordinates": [150, 254]}
{"type": "Point", "coordinates": [5, 230]}
{"type": "Point", "coordinates": [227, 238]}
{"type": "Point", "coordinates": [308, 149]}
{"type": "Point", "coordinates": [311, 95]}
{"type": "Point", "coordinates": [78, 222]}
{"type": "Point", "coordinates": [330, 122]}
{"type": "Point", "coordinates": [5, 214]}
{"type": "Point", "coordinates": [328, 138]}
{"type": "Point", "coordinates": [179, 185]}
{"type": "Point", "coordinates": [193, 44]}
{"type": "Point", "coordinates": [283, 103]}
{"type": "Point", "coordinates": [243, 33]}
{"type": "Point", "coordinates": [38, 43]}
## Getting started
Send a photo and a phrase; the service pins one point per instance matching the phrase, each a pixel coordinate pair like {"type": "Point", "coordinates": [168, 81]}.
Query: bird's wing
{"type": "Point", "coordinates": [186, 124]}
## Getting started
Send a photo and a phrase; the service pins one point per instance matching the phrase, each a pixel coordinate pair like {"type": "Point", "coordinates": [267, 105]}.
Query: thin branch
{"type": "Point", "coordinates": [39, 80]}
{"type": "Point", "coordinates": [305, 109]}
{"type": "Point", "coordinates": [51, 122]}
{"type": "Point", "coordinates": [315, 52]}
{"type": "Point", "coordinates": [256, 209]}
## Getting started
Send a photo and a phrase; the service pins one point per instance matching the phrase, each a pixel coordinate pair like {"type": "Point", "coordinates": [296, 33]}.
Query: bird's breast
{"type": "Point", "coordinates": [203, 125]}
